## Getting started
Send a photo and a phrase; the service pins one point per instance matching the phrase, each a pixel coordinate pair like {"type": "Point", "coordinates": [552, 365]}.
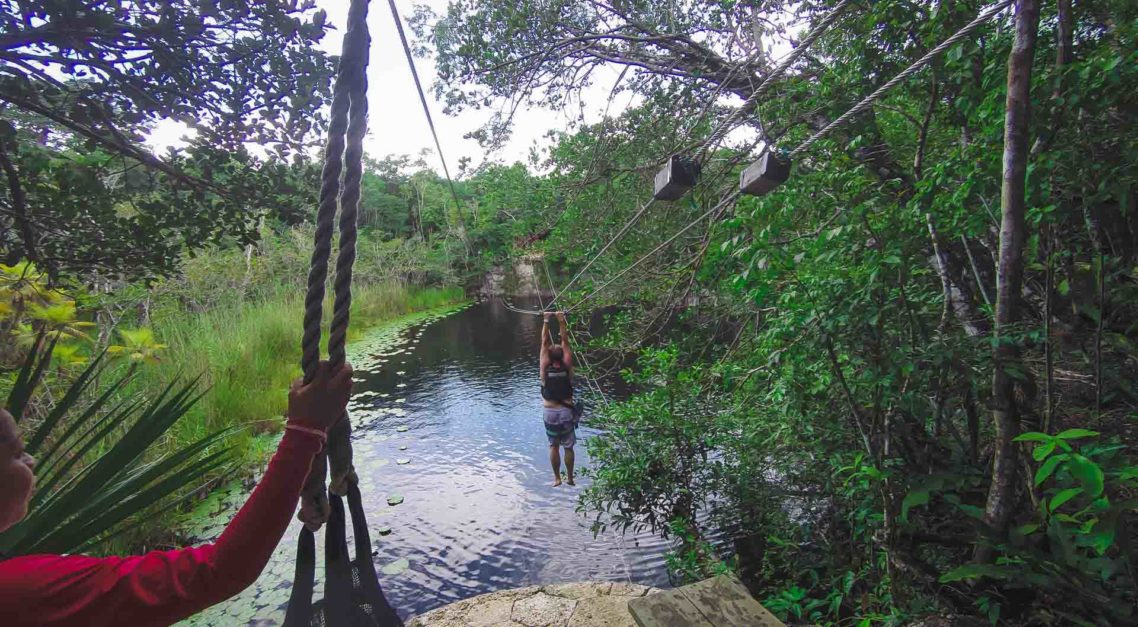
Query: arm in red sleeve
{"type": "Point", "coordinates": [161, 587]}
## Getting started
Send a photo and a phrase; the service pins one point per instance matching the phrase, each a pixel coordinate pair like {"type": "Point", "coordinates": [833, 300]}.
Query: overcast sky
{"type": "Point", "coordinates": [397, 124]}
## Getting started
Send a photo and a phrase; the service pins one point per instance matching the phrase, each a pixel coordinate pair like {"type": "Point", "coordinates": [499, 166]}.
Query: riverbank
{"type": "Point", "coordinates": [247, 355]}
{"type": "Point", "coordinates": [266, 600]}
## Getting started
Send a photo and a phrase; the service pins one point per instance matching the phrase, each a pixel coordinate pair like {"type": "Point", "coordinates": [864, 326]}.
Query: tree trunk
{"type": "Point", "coordinates": [20, 207]}
{"type": "Point", "coordinates": [1005, 413]}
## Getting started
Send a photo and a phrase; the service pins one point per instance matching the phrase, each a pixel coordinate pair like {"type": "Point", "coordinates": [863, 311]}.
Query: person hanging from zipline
{"type": "Point", "coordinates": [163, 587]}
{"type": "Point", "coordinates": [560, 412]}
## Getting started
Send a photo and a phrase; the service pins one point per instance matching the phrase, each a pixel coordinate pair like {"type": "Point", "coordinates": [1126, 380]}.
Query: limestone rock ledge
{"type": "Point", "coordinates": [585, 604]}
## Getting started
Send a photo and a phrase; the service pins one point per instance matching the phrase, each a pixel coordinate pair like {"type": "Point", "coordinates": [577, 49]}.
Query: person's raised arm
{"type": "Point", "coordinates": [546, 343]}
{"type": "Point", "coordinates": [163, 587]}
{"type": "Point", "coordinates": [564, 326]}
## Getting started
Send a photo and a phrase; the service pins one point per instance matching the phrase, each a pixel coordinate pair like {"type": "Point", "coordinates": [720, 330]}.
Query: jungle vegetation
{"type": "Point", "coordinates": [896, 387]}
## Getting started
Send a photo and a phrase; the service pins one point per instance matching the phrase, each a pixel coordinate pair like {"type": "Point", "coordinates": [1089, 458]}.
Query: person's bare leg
{"type": "Point", "coordinates": [569, 464]}
{"type": "Point", "coordinates": [555, 461]}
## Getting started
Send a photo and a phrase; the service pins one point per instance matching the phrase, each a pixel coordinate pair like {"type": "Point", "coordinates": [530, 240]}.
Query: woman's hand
{"type": "Point", "coordinates": [323, 401]}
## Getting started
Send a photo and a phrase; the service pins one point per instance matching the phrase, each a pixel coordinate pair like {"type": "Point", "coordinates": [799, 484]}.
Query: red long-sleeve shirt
{"type": "Point", "coordinates": [161, 587]}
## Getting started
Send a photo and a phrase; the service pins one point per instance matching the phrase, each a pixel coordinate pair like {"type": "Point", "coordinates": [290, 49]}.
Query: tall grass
{"type": "Point", "coordinates": [248, 355]}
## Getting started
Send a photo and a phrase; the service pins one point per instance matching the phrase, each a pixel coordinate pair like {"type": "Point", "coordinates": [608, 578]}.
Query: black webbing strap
{"type": "Point", "coordinates": [352, 594]}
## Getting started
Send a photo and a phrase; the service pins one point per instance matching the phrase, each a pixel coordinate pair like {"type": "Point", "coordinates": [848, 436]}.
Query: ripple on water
{"type": "Point", "coordinates": [477, 513]}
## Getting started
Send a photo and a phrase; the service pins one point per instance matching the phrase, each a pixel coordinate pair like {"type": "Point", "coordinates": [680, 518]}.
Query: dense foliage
{"type": "Point", "coordinates": [82, 84]}
{"type": "Point", "coordinates": [844, 393]}
{"type": "Point", "coordinates": [895, 387]}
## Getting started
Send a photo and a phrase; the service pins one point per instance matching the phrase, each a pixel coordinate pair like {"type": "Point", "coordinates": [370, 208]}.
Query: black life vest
{"type": "Point", "coordinates": [557, 385]}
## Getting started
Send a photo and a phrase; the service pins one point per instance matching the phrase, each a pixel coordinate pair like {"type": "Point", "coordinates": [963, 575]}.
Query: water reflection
{"type": "Point", "coordinates": [479, 514]}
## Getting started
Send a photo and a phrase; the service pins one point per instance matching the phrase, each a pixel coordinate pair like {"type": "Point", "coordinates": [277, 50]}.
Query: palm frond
{"type": "Point", "coordinates": [96, 473]}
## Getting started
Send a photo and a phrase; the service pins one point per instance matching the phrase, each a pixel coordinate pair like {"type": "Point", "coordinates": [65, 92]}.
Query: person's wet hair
{"type": "Point", "coordinates": [555, 353]}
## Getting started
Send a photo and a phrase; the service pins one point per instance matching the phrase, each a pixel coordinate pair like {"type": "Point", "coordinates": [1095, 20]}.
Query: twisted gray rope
{"type": "Point", "coordinates": [896, 80]}
{"type": "Point", "coordinates": [346, 129]}
{"type": "Point", "coordinates": [768, 82]}
{"type": "Point", "coordinates": [349, 206]}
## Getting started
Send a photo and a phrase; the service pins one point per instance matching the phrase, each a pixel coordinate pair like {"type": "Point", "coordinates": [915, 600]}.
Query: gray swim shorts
{"type": "Point", "coordinates": [560, 427]}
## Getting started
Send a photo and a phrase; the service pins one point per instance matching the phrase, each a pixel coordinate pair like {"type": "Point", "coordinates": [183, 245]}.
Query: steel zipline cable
{"type": "Point", "coordinates": [628, 225]}
{"type": "Point", "coordinates": [749, 104]}
{"type": "Point", "coordinates": [906, 73]}
{"type": "Point", "coordinates": [592, 383]}
{"type": "Point", "coordinates": [423, 99]}
{"type": "Point", "coordinates": [844, 118]}
{"type": "Point", "coordinates": [723, 128]}
{"type": "Point", "coordinates": [710, 212]}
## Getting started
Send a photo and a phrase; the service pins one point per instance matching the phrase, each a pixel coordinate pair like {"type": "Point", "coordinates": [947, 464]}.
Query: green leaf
{"type": "Point", "coordinates": [1032, 436]}
{"type": "Point", "coordinates": [1028, 529]}
{"type": "Point", "coordinates": [1049, 467]}
{"type": "Point", "coordinates": [1043, 451]}
{"type": "Point", "coordinates": [116, 479]}
{"type": "Point", "coordinates": [913, 499]}
{"type": "Point", "coordinates": [1088, 473]}
{"type": "Point", "coordinates": [1074, 434]}
{"type": "Point", "coordinates": [1058, 500]}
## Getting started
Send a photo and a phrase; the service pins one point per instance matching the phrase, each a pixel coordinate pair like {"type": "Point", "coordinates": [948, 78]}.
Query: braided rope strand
{"type": "Point", "coordinates": [350, 195]}
{"type": "Point", "coordinates": [339, 436]}
{"type": "Point", "coordinates": [347, 96]}
{"type": "Point", "coordinates": [322, 240]}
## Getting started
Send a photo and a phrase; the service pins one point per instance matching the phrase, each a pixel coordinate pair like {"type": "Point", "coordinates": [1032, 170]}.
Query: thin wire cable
{"type": "Point", "coordinates": [612, 241]}
{"type": "Point", "coordinates": [723, 128]}
{"type": "Point", "coordinates": [858, 108]}
{"type": "Point", "coordinates": [920, 63]}
{"type": "Point", "coordinates": [594, 385]}
{"type": "Point", "coordinates": [423, 98]}
{"type": "Point", "coordinates": [720, 205]}
{"type": "Point", "coordinates": [768, 82]}
{"type": "Point", "coordinates": [531, 312]}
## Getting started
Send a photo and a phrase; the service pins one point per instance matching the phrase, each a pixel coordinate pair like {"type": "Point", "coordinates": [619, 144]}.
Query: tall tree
{"type": "Point", "coordinates": [1008, 370]}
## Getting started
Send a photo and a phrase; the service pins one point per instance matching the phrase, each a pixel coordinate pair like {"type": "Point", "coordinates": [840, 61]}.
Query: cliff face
{"type": "Point", "coordinates": [524, 277]}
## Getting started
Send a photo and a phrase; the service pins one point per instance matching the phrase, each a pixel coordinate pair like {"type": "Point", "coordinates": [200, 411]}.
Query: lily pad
{"type": "Point", "coordinates": [395, 499]}
{"type": "Point", "coordinates": [397, 567]}
{"type": "Point", "coordinates": [402, 461]}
